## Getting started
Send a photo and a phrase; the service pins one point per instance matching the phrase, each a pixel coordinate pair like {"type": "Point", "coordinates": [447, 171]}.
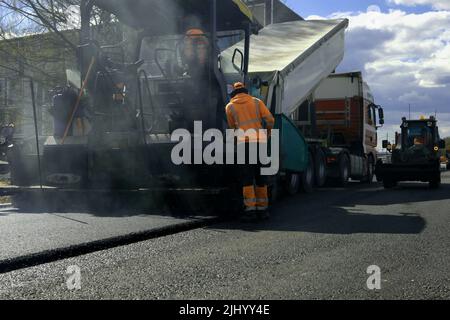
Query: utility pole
{"type": "Point", "coordinates": [409, 105]}
{"type": "Point", "coordinates": [272, 11]}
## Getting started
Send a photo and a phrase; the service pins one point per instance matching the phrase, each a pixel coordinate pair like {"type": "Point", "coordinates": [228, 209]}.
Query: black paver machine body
{"type": "Point", "coordinates": [133, 105]}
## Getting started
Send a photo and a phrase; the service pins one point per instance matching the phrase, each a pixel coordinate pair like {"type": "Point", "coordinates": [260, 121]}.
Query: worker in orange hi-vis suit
{"type": "Point", "coordinates": [246, 112]}
{"type": "Point", "coordinates": [195, 51]}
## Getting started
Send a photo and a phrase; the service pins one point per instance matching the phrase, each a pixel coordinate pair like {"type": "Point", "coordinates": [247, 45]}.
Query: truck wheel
{"type": "Point", "coordinates": [378, 165]}
{"type": "Point", "coordinates": [389, 184]}
{"type": "Point", "coordinates": [320, 169]}
{"type": "Point", "coordinates": [307, 177]}
{"type": "Point", "coordinates": [274, 192]}
{"type": "Point", "coordinates": [344, 171]}
{"type": "Point", "coordinates": [292, 183]}
{"type": "Point", "coordinates": [370, 171]}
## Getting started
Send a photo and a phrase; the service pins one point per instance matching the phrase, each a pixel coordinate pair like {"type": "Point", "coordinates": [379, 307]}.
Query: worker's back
{"type": "Point", "coordinates": [246, 112]}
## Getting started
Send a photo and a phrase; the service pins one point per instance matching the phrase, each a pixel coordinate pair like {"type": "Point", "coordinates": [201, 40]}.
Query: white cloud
{"type": "Point", "coordinates": [374, 8]}
{"type": "Point", "coordinates": [405, 58]}
{"type": "Point", "coordinates": [436, 4]}
{"type": "Point", "coordinates": [73, 17]}
{"type": "Point", "coordinates": [415, 96]}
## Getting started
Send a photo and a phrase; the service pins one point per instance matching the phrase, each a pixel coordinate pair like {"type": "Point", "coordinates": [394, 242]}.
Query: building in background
{"type": "Point", "coordinates": [40, 57]}
{"type": "Point", "coordinates": [45, 59]}
{"type": "Point", "coordinates": [272, 11]}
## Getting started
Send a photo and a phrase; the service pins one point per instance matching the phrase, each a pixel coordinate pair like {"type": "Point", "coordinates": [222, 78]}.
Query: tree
{"type": "Point", "coordinates": [39, 18]}
{"type": "Point", "coordinates": [39, 39]}
{"type": "Point", "coordinates": [22, 17]}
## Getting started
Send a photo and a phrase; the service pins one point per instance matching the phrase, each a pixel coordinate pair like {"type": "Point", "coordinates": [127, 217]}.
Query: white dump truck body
{"type": "Point", "coordinates": [294, 57]}
{"type": "Point", "coordinates": [342, 86]}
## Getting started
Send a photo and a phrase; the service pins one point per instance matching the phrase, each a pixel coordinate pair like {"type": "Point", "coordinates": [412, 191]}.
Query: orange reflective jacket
{"type": "Point", "coordinates": [245, 112]}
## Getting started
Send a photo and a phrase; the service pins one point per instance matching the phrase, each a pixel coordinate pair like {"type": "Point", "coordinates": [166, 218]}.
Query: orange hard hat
{"type": "Point", "coordinates": [195, 33]}
{"type": "Point", "coordinates": [238, 87]}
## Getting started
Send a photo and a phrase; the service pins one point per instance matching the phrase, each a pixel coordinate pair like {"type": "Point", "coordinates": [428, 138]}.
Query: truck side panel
{"type": "Point", "coordinates": [342, 118]}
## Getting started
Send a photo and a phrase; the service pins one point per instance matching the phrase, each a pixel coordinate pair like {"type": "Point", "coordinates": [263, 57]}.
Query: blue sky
{"type": "Point", "coordinates": [326, 7]}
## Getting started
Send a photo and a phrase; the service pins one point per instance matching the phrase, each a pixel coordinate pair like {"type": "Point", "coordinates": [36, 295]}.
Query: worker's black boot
{"type": "Point", "coordinates": [248, 216]}
{"type": "Point", "coordinates": [263, 214]}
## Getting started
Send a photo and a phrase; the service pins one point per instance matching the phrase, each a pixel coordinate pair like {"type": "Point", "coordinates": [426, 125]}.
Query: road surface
{"type": "Point", "coordinates": [316, 246]}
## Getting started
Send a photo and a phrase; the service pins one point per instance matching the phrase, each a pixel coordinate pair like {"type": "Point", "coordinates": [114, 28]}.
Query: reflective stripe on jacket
{"type": "Point", "coordinates": [245, 112]}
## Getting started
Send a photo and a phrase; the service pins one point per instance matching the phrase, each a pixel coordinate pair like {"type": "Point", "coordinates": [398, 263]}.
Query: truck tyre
{"type": "Point", "coordinates": [344, 171]}
{"type": "Point", "coordinates": [274, 192]}
{"type": "Point", "coordinates": [307, 177]}
{"type": "Point", "coordinates": [292, 183]}
{"type": "Point", "coordinates": [389, 183]}
{"type": "Point", "coordinates": [370, 171]}
{"type": "Point", "coordinates": [379, 178]}
{"type": "Point", "coordinates": [320, 169]}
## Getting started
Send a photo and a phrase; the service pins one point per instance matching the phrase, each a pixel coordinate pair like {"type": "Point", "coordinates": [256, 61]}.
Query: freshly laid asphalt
{"type": "Point", "coordinates": [39, 236]}
{"type": "Point", "coordinates": [316, 246]}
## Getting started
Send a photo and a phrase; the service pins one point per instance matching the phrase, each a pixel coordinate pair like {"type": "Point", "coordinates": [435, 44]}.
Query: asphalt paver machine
{"type": "Point", "coordinates": [113, 135]}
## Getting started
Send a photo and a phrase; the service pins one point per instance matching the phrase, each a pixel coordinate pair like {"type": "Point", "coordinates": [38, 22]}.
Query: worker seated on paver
{"type": "Point", "coordinates": [246, 112]}
{"type": "Point", "coordinates": [195, 52]}
{"type": "Point", "coordinates": [419, 141]}
{"type": "Point", "coordinates": [196, 45]}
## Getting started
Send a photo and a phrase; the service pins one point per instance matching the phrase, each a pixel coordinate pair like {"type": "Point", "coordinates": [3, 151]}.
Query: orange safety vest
{"type": "Point", "coordinates": [245, 112]}
{"type": "Point", "coordinates": [196, 46]}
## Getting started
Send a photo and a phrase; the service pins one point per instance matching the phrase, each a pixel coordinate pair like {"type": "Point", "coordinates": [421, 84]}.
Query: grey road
{"type": "Point", "coordinates": [316, 246]}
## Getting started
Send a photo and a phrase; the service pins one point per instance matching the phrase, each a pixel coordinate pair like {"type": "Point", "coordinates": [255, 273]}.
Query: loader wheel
{"type": "Point", "coordinates": [389, 184]}
{"type": "Point", "coordinates": [320, 169]}
{"type": "Point", "coordinates": [307, 177]}
{"type": "Point", "coordinates": [435, 183]}
{"type": "Point", "coordinates": [292, 183]}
